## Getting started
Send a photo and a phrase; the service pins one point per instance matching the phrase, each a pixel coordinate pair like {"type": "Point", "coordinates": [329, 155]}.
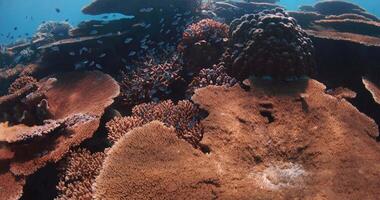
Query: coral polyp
{"type": "Point", "coordinates": [203, 43]}
{"type": "Point", "coordinates": [270, 44]}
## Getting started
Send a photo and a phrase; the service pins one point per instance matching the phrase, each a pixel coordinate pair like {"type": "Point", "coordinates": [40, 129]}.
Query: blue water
{"type": "Point", "coordinates": [18, 13]}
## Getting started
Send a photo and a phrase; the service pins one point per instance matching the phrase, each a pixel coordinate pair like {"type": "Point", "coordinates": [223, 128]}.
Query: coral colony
{"type": "Point", "coordinates": [194, 100]}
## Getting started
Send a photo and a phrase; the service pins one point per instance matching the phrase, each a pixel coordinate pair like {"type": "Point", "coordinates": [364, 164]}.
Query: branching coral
{"type": "Point", "coordinates": [20, 83]}
{"type": "Point", "coordinates": [184, 117]}
{"type": "Point", "coordinates": [270, 44]}
{"type": "Point", "coordinates": [52, 31]}
{"type": "Point", "coordinates": [152, 82]}
{"type": "Point", "coordinates": [216, 75]}
{"type": "Point", "coordinates": [203, 43]}
{"type": "Point", "coordinates": [79, 172]}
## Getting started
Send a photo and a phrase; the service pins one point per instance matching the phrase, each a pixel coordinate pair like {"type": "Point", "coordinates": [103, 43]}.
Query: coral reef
{"type": "Point", "coordinates": [230, 10]}
{"type": "Point", "coordinates": [250, 149]}
{"type": "Point", "coordinates": [373, 88]}
{"type": "Point", "coordinates": [184, 117]}
{"type": "Point", "coordinates": [81, 167]}
{"type": "Point", "coordinates": [270, 44]}
{"type": "Point", "coordinates": [184, 172]}
{"type": "Point", "coordinates": [338, 8]}
{"type": "Point", "coordinates": [217, 75]}
{"type": "Point", "coordinates": [171, 102]}
{"type": "Point", "coordinates": [61, 114]}
{"type": "Point", "coordinates": [203, 43]}
{"type": "Point", "coordinates": [356, 26]}
{"type": "Point", "coordinates": [20, 83]}
{"type": "Point", "coordinates": [152, 82]}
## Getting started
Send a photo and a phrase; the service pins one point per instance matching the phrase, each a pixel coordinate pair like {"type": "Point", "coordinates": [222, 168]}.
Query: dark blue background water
{"type": "Point", "coordinates": [18, 13]}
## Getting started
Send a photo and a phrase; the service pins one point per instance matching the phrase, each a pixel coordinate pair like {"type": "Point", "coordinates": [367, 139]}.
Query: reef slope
{"type": "Point", "coordinates": [271, 142]}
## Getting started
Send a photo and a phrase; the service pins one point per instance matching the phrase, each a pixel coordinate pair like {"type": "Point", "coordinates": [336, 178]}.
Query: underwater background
{"type": "Point", "coordinates": [27, 15]}
{"type": "Point", "coordinates": [189, 99]}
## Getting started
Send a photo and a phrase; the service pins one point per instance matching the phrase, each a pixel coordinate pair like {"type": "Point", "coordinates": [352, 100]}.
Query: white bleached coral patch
{"type": "Point", "coordinates": [281, 175]}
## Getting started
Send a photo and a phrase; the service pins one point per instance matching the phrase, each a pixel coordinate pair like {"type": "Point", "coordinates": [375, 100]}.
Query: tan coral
{"type": "Point", "coordinates": [80, 171]}
{"type": "Point", "coordinates": [11, 188]}
{"type": "Point", "coordinates": [373, 88]}
{"type": "Point", "coordinates": [275, 141]}
{"type": "Point", "coordinates": [20, 83]}
{"type": "Point", "coordinates": [151, 162]}
{"type": "Point", "coordinates": [184, 117]}
{"type": "Point", "coordinates": [74, 104]}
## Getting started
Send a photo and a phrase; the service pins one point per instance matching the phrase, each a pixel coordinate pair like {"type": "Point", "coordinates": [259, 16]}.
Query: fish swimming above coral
{"type": "Point", "coordinates": [190, 99]}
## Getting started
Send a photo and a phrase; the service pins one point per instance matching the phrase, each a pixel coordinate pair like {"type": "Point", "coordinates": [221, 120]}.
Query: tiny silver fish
{"type": "Point", "coordinates": [132, 53]}
{"type": "Point", "coordinates": [128, 40]}
{"type": "Point", "coordinates": [93, 32]}
{"type": "Point", "coordinates": [72, 53]}
{"type": "Point", "coordinates": [98, 66]}
{"type": "Point", "coordinates": [146, 10]}
{"type": "Point", "coordinates": [102, 55]}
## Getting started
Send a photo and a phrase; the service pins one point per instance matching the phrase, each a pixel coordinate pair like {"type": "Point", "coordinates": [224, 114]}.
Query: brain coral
{"type": "Point", "coordinates": [270, 44]}
{"type": "Point", "coordinates": [203, 43]}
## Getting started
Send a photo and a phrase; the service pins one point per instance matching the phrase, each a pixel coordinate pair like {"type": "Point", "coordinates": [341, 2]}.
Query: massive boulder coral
{"type": "Point", "coordinates": [270, 44]}
{"type": "Point", "coordinates": [203, 43]}
{"type": "Point", "coordinates": [275, 141]}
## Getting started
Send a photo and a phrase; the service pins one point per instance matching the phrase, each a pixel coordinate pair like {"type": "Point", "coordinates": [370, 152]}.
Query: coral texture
{"type": "Point", "coordinates": [184, 117]}
{"type": "Point", "coordinates": [216, 75]}
{"type": "Point", "coordinates": [250, 143]}
{"type": "Point", "coordinates": [80, 170]}
{"type": "Point", "coordinates": [73, 105]}
{"type": "Point", "coordinates": [271, 44]}
{"type": "Point", "coordinates": [151, 82]}
{"type": "Point", "coordinates": [20, 83]}
{"type": "Point", "coordinates": [130, 168]}
{"type": "Point", "coordinates": [203, 43]}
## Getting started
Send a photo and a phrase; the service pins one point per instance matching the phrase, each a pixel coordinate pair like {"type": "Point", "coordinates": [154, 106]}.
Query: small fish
{"type": "Point", "coordinates": [162, 20]}
{"type": "Point", "coordinates": [66, 20]}
{"type": "Point", "coordinates": [72, 53]}
{"type": "Point", "coordinates": [15, 28]}
{"type": "Point", "coordinates": [105, 17]}
{"type": "Point", "coordinates": [98, 66]}
{"type": "Point", "coordinates": [92, 63]}
{"type": "Point", "coordinates": [146, 10]}
{"type": "Point", "coordinates": [102, 55]}
{"type": "Point", "coordinates": [99, 42]}
{"type": "Point", "coordinates": [93, 32]}
{"type": "Point", "coordinates": [144, 47]}
{"type": "Point", "coordinates": [55, 48]}
{"type": "Point", "coordinates": [142, 24]}
{"type": "Point", "coordinates": [78, 66]}
{"type": "Point", "coordinates": [57, 10]}
{"type": "Point", "coordinates": [132, 53]}
{"type": "Point", "coordinates": [123, 60]}
{"type": "Point", "coordinates": [128, 40]}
